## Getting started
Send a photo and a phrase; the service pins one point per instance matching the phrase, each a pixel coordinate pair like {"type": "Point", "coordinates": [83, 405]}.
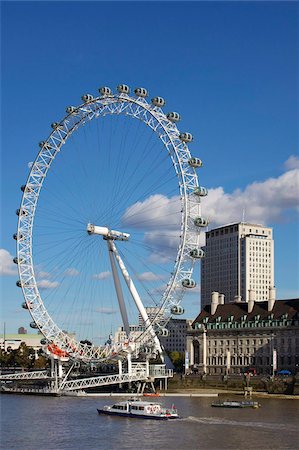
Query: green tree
{"type": "Point", "coordinates": [177, 359]}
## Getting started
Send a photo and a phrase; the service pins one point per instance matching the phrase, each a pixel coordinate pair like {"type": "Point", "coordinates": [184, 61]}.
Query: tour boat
{"type": "Point", "coordinates": [235, 404]}
{"type": "Point", "coordinates": [140, 409]}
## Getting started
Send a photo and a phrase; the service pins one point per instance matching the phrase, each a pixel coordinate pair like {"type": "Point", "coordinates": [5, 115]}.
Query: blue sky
{"type": "Point", "coordinates": [229, 68]}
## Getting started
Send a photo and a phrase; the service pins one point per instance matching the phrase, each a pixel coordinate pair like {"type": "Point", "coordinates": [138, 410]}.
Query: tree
{"type": "Point", "coordinates": [177, 359]}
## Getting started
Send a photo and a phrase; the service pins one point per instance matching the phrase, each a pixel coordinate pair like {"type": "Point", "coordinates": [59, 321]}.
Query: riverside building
{"type": "Point", "coordinates": [230, 338]}
{"type": "Point", "coordinates": [239, 258]}
{"type": "Point", "coordinates": [176, 339]}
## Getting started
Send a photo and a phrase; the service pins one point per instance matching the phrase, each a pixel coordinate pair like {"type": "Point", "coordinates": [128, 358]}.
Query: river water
{"type": "Point", "coordinates": [62, 423]}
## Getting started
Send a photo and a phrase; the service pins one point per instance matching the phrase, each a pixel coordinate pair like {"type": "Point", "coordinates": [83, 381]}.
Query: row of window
{"type": "Point", "coordinates": [252, 360]}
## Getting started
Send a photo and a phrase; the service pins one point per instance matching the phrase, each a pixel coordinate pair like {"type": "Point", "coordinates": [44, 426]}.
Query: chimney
{"type": "Point", "coordinates": [251, 300]}
{"type": "Point", "coordinates": [272, 298]}
{"type": "Point", "coordinates": [237, 299]}
{"type": "Point", "coordinates": [221, 299]}
{"type": "Point", "coordinates": [214, 303]}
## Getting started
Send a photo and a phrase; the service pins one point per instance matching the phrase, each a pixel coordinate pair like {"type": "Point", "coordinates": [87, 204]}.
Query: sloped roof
{"type": "Point", "coordinates": [289, 307]}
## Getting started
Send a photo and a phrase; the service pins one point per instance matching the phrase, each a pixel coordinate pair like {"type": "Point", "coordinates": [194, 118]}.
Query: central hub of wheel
{"type": "Point", "coordinates": [107, 233]}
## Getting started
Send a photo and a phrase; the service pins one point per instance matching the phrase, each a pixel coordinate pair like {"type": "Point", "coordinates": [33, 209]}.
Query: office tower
{"type": "Point", "coordinates": [238, 262]}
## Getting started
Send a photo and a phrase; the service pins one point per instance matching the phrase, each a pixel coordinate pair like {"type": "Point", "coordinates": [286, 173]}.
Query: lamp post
{"type": "Point", "coordinates": [274, 356]}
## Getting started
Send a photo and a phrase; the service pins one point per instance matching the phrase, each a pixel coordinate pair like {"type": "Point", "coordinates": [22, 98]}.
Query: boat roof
{"type": "Point", "coordinates": [136, 402]}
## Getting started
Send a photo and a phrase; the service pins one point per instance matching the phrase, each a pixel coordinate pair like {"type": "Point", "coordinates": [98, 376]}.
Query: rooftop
{"type": "Point", "coordinates": [289, 307]}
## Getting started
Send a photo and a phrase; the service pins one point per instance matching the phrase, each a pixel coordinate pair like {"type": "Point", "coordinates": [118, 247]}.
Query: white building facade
{"type": "Point", "coordinates": [238, 262]}
{"type": "Point", "coordinates": [228, 338]}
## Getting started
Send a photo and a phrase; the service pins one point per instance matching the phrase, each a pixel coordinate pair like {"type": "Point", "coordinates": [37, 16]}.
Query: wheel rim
{"type": "Point", "coordinates": [167, 132]}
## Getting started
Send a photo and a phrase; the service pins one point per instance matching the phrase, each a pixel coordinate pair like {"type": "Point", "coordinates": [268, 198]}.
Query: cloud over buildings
{"type": "Point", "coordinates": [274, 200]}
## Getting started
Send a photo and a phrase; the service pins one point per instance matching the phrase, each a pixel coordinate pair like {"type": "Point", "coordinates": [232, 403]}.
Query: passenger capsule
{"type": "Point", "coordinates": [173, 116]}
{"type": "Point", "coordinates": [140, 92]}
{"type": "Point", "coordinates": [25, 305]}
{"type": "Point", "coordinates": [26, 188]}
{"type": "Point", "coordinates": [158, 101]}
{"type": "Point", "coordinates": [16, 260]}
{"type": "Point", "coordinates": [195, 162]}
{"type": "Point", "coordinates": [45, 145]}
{"type": "Point", "coordinates": [33, 325]}
{"type": "Point", "coordinates": [18, 283]}
{"type": "Point", "coordinates": [163, 332]}
{"type": "Point", "coordinates": [17, 237]}
{"type": "Point", "coordinates": [70, 109]}
{"type": "Point", "coordinates": [201, 222]}
{"type": "Point", "coordinates": [123, 89]}
{"type": "Point", "coordinates": [177, 310]}
{"type": "Point", "coordinates": [56, 125]}
{"type": "Point", "coordinates": [147, 350]}
{"type": "Point", "coordinates": [200, 191]}
{"type": "Point", "coordinates": [188, 283]}
{"type": "Point", "coordinates": [44, 341]}
{"type": "Point", "coordinates": [87, 98]}
{"type": "Point", "coordinates": [186, 137]}
{"type": "Point", "coordinates": [105, 90]}
{"type": "Point", "coordinates": [197, 253]}
{"type": "Point", "coordinates": [21, 212]}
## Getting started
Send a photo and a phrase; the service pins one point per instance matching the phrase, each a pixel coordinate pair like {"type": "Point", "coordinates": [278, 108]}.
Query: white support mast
{"type": "Point", "coordinates": [111, 236]}
{"type": "Point", "coordinates": [119, 292]}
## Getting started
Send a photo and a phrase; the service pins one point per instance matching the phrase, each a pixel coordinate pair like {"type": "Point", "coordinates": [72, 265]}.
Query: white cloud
{"type": "Point", "coordinates": [42, 274]}
{"type": "Point", "coordinates": [7, 266]}
{"type": "Point", "coordinates": [149, 276]}
{"type": "Point", "coordinates": [155, 212]}
{"type": "Point", "coordinates": [101, 275]}
{"type": "Point", "coordinates": [47, 284]}
{"type": "Point", "coordinates": [163, 244]}
{"type": "Point", "coordinates": [269, 201]}
{"type": "Point", "coordinates": [71, 272]}
{"type": "Point", "coordinates": [159, 290]}
{"type": "Point", "coordinates": [292, 162]}
{"type": "Point", "coordinates": [107, 311]}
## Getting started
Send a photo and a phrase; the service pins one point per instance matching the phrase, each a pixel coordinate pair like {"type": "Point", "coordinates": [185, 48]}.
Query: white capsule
{"type": "Point", "coordinates": [197, 253]}
{"type": "Point", "coordinates": [70, 109]}
{"type": "Point", "coordinates": [195, 162]}
{"type": "Point", "coordinates": [87, 98]}
{"type": "Point", "coordinates": [123, 89]}
{"type": "Point", "coordinates": [186, 137]}
{"type": "Point", "coordinates": [173, 116]}
{"type": "Point", "coordinates": [56, 125]}
{"type": "Point", "coordinates": [188, 283]}
{"type": "Point", "coordinates": [140, 92]}
{"type": "Point", "coordinates": [105, 90]}
{"type": "Point", "coordinates": [177, 310]}
{"type": "Point", "coordinates": [200, 191]}
{"type": "Point", "coordinates": [201, 222]}
{"type": "Point", "coordinates": [158, 101]}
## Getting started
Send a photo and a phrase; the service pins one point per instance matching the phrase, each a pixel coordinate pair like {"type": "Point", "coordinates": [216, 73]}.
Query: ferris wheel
{"type": "Point", "coordinates": [109, 202]}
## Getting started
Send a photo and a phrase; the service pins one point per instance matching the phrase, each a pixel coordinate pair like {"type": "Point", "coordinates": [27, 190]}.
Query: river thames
{"type": "Point", "coordinates": [42, 423]}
